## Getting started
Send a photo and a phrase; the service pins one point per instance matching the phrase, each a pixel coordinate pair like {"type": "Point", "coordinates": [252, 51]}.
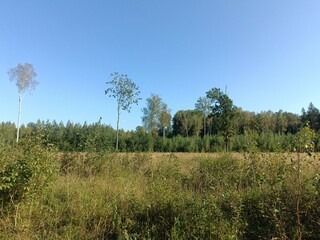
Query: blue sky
{"type": "Point", "coordinates": [267, 52]}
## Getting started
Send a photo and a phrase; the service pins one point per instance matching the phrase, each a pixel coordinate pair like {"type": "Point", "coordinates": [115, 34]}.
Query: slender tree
{"type": "Point", "coordinates": [24, 77]}
{"type": "Point", "coordinates": [151, 113]}
{"type": "Point", "coordinates": [165, 118]}
{"type": "Point", "coordinates": [203, 105]}
{"type": "Point", "coordinates": [187, 122]}
{"type": "Point", "coordinates": [156, 115]}
{"type": "Point", "coordinates": [125, 92]}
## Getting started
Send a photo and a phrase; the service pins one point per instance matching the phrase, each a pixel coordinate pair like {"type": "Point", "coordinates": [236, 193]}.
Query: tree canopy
{"type": "Point", "coordinates": [224, 113]}
{"type": "Point", "coordinates": [24, 77]}
{"type": "Point", "coordinates": [156, 115]}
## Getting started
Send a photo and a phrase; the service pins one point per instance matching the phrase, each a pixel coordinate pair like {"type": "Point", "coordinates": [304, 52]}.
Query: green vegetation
{"type": "Point", "coordinates": [223, 113]}
{"type": "Point", "coordinates": [98, 137]}
{"type": "Point", "coordinates": [156, 116]}
{"type": "Point", "coordinates": [67, 182]}
{"type": "Point", "coordinates": [215, 125]}
{"type": "Point", "coordinates": [45, 194]}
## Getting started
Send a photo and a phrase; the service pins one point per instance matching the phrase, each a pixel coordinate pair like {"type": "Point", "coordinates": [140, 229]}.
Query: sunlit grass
{"type": "Point", "coordinates": [170, 196]}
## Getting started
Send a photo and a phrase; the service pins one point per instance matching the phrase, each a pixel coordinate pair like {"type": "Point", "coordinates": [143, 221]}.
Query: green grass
{"type": "Point", "coordinates": [171, 196]}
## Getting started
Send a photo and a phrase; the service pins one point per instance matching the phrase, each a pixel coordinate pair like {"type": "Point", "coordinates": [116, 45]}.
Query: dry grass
{"type": "Point", "coordinates": [163, 195]}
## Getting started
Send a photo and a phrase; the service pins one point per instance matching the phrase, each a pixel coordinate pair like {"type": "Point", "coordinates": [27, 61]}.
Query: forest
{"type": "Point", "coordinates": [190, 131]}
{"type": "Point", "coordinates": [215, 124]}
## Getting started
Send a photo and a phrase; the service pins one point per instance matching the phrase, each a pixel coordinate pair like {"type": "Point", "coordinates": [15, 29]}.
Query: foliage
{"type": "Point", "coordinates": [123, 90]}
{"type": "Point", "coordinates": [187, 123]}
{"type": "Point", "coordinates": [7, 133]}
{"type": "Point", "coordinates": [203, 105]}
{"type": "Point", "coordinates": [305, 140]}
{"type": "Point", "coordinates": [151, 113]}
{"type": "Point", "coordinates": [265, 131]}
{"type": "Point", "coordinates": [164, 119]}
{"type": "Point", "coordinates": [24, 77]}
{"type": "Point", "coordinates": [26, 169]}
{"type": "Point", "coordinates": [98, 137]}
{"type": "Point", "coordinates": [311, 117]}
{"type": "Point", "coordinates": [223, 112]}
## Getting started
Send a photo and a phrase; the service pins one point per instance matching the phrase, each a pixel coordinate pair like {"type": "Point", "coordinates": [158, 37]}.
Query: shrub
{"type": "Point", "coordinates": [25, 170]}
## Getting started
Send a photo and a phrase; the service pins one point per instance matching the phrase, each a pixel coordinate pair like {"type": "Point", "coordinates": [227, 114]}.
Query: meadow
{"type": "Point", "coordinates": [47, 194]}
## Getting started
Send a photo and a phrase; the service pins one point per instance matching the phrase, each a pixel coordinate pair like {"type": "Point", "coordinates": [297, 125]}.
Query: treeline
{"type": "Point", "coordinates": [215, 124]}
{"type": "Point", "coordinates": [189, 132]}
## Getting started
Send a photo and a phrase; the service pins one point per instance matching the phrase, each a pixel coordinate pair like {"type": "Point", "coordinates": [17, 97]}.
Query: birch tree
{"type": "Point", "coordinates": [125, 92]}
{"type": "Point", "coordinates": [165, 118]}
{"type": "Point", "coordinates": [24, 77]}
{"type": "Point", "coordinates": [151, 113]}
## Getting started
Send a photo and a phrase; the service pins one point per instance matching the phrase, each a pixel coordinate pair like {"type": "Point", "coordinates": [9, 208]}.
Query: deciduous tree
{"type": "Point", "coordinates": [224, 112]}
{"type": "Point", "coordinates": [126, 92]}
{"type": "Point", "coordinates": [165, 118]}
{"type": "Point", "coordinates": [156, 115]}
{"type": "Point", "coordinates": [187, 123]}
{"type": "Point", "coordinates": [151, 113]}
{"type": "Point", "coordinates": [203, 105]}
{"type": "Point", "coordinates": [24, 77]}
{"type": "Point", "coordinates": [281, 122]}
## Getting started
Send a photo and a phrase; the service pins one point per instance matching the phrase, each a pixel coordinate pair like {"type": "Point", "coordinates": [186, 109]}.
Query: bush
{"type": "Point", "coordinates": [25, 170]}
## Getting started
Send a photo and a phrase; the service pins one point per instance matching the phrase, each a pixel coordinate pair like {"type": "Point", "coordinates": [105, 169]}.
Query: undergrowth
{"type": "Point", "coordinates": [139, 196]}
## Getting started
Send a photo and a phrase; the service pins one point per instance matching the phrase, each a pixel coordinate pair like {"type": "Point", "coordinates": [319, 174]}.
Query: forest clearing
{"type": "Point", "coordinates": [216, 172]}
{"type": "Point", "coordinates": [178, 120]}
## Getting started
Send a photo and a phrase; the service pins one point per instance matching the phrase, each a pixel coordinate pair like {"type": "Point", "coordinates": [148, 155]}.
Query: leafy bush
{"type": "Point", "coordinates": [25, 170]}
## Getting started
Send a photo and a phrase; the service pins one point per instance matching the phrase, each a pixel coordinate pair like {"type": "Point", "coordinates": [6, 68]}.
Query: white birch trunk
{"type": "Point", "coordinates": [19, 112]}
{"type": "Point", "coordinates": [117, 140]}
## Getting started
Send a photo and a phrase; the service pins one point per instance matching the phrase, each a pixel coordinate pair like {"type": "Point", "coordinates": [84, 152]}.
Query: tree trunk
{"type": "Point", "coordinates": [227, 143]}
{"type": "Point", "coordinates": [204, 125]}
{"type": "Point", "coordinates": [19, 111]}
{"type": "Point", "coordinates": [117, 140]}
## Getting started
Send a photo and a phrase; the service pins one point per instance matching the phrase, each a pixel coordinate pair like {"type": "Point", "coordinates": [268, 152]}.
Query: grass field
{"type": "Point", "coordinates": [171, 196]}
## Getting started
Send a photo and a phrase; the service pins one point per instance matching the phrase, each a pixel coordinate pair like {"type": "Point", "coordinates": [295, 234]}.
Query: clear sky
{"type": "Point", "coordinates": [267, 52]}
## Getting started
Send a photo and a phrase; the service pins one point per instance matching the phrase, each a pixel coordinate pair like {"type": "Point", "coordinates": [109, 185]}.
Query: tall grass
{"type": "Point", "coordinates": [171, 196]}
